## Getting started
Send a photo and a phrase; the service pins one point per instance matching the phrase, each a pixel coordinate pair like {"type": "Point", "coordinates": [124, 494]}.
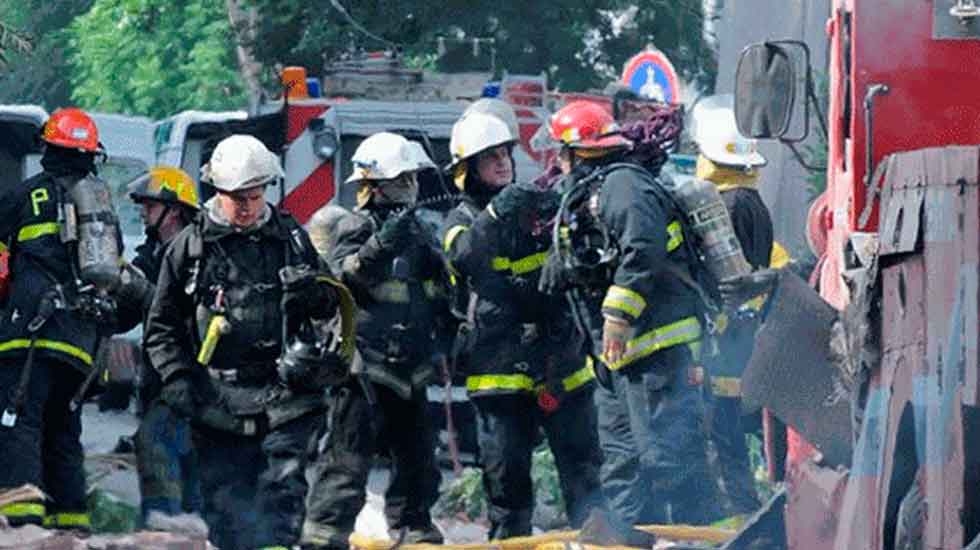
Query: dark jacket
{"type": "Point", "coordinates": [207, 260]}
{"type": "Point", "coordinates": [523, 340]}
{"type": "Point", "coordinates": [402, 317]}
{"type": "Point", "coordinates": [753, 227]}
{"type": "Point", "coordinates": [635, 219]}
{"type": "Point", "coordinates": [39, 260]}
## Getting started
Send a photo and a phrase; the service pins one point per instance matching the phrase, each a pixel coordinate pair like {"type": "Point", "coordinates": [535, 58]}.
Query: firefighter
{"type": "Point", "coordinates": [732, 163]}
{"type": "Point", "coordinates": [525, 367]}
{"type": "Point", "coordinates": [237, 332]}
{"type": "Point", "coordinates": [625, 263]}
{"type": "Point", "coordinates": [166, 460]}
{"type": "Point", "coordinates": [54, 319]}
{"type": "Point", "coordinates": [394, 269]}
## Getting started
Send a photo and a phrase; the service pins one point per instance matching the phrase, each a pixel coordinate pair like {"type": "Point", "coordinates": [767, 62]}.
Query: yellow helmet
{"type": "Point", "coordinates": [165, 184]}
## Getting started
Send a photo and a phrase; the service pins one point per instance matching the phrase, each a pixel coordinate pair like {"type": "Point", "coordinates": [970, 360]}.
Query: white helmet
{"type": "Point", "coordinates": [477, 132]}
{"type": "Point", "coordinates": [385, 156]}
{"type": "Point", "coordinates": [498, 108]}
{"type": "Point", "coordinates": [717, 136]}
{"type": "Point", "coordinates": [241, 162]}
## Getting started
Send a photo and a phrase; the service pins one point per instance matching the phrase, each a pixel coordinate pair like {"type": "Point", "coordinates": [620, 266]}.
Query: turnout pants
{"type": "Point", "coordinates": [400, 428]}
{"type": "Point", "coordinates": [169, 474]}
{"type": "Point", "coordinates": [44, 447]}
{"type": "Point", "coordinates": [507, 430]}
{"type": "Point", "coordinates": [728, 435]}
{"type": "Point", "coordinates": [654, 441]}
{"type": "Point", "coordinates": [254, 487]}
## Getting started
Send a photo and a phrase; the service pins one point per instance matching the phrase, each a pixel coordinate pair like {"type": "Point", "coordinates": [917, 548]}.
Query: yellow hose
{"type": "Point", "coordinates": [555, 540]}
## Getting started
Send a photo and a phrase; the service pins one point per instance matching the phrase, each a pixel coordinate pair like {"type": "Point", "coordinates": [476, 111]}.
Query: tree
{"type": "Point", "coordinates": [154, 57]}
{"type": "Point", "coordinates": [38, 74]}
{"type": "Point", "coordinates": [579, 44]}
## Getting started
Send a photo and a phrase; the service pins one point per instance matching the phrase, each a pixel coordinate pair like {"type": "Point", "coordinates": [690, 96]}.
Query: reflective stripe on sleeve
{"type": "Point", "coordinates": [623, 299]}
{"type": "Point", "coordinates": [36, 230]}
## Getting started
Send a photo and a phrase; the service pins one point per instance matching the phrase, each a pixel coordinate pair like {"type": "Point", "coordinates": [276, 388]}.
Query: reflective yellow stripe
{"type": "Point", "coordinates": [36, 230]}
{"type": "Point", "coordinates": [3, 247]}
{"type": "Point", "coordinates": [521, 266]}
{"type": "Point", "coordinates": [682, 332]}
{"type": "Point", "coordinates": [726, 386]}
{"type": "Point", "coordinates": [675, 236]}
{"type": "Point", "coordinates": [580, 377]}
{"type": "Point", "coordinates": [23, 343]}
{"type": "Point", "coordinates": [67, 519]}
{"type": "Point", "coordinates": [623, 299]}
{"type": "Point", "coordinates": [487, 382]}
{"type": "Point", "coordinates": [451, 235]}
{"type": "Point", "coordinates": [395, 292]}
{"type": "Point", "coordinates": [22, 510]}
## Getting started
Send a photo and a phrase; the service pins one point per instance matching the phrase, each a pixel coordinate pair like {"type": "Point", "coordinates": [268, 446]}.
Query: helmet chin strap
{"type": "Point", "coordinates": [153, 231]}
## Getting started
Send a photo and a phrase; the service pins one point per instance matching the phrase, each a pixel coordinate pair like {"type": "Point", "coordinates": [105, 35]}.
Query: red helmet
{"type": "Point", "coordinates": [73, 129]}
{"type": "Point", "coordinates": [587, 125]}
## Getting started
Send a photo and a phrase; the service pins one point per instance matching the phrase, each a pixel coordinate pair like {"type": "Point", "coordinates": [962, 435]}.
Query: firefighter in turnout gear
{"type": "Point", "coordinates": [525, 365]}
{"type": "Point", "coordinates": [235, 288]}
{"type": "Point", "coordinates": [166, 460]}
{"type": "Point", "coordinates": [393, 266]}
{"type": "Point", "coordinates": [57, 224]}
{"type": "Point", "coordinates": [732, 163]}
{"type": "Point", "coordinates": [621, 256]}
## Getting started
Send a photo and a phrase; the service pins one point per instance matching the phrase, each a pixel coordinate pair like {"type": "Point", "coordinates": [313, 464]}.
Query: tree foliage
{"type": "Point", "coordinates": [579, 44]}
{"type": "Point", "coordinates": [38, 74]}
{"type": "Point", "coordinates": [154, 57]}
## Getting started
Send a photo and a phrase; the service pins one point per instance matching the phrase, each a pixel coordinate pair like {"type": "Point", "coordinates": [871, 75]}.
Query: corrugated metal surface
{"type": "Point", "coordinates": [929, 362]}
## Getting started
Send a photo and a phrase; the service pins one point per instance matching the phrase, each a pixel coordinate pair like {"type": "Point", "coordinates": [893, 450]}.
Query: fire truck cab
{"type": "Point", "coordinates": [899, 230]}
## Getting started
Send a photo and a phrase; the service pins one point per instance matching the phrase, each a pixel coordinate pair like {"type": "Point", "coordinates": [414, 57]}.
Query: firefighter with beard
{"type": "Point", "coordinates": [622, 257]}
{"type": "Point", "coordinates": [525, 367]}
{"type": "Point", "coordinates": [392, 265]}
{"type": "Point", "coordinates": [59, 308]}
{"type": "Point", "coordinates": [166, 460]}
{"type": "Point", "coordinates": [732, 163]}
{"type": "Point", "coordinates": [238, 333]}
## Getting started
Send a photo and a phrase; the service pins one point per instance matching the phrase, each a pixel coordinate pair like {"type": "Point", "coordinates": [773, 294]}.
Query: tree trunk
{"type": "Point", "coordinates": [243, 25]}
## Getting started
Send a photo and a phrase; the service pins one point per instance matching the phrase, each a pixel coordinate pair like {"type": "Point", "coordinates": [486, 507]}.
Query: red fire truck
{"type": "Point", "coordinates": [899, 234]}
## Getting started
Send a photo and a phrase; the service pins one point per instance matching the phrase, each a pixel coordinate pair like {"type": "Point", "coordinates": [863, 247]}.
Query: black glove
{"type": "Point", "coordinates": [515, 201]}
{"type": "Point", "coordinates": [134, 287]}
{"type": "Point", "coordinates": [555, 277]}
{"type": "Point", "coordinates": [735, 291]}
{"type": "Point", "coordinates": [302, 295]}
{"type": "Point", "coordinates": [184, 392]}
{"type": "Point", "coordinates": [396, 231]}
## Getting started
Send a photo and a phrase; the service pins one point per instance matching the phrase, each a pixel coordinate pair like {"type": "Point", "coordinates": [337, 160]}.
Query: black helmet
{"type": "Point", "coordinates": [309, 364]}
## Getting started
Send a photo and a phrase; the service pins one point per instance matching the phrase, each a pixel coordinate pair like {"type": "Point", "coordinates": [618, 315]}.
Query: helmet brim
{"type": "Point", "coordinates": [603, 142]}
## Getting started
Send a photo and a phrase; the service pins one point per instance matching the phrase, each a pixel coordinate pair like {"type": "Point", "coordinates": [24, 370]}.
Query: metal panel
{"type": "Point", "coordinates": [901, 198]}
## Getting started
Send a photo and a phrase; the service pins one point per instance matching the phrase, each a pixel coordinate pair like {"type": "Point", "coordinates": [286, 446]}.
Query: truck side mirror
{"type": "Point", "coordinates": [766, 87]}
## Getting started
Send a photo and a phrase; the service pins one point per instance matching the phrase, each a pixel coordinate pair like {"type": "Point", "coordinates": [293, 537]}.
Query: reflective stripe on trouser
{"type": "Point", "coordinates": [68, 520]}
{"type": "Point", "coordinates": [726, 386]}
{"type": "Point", "coordinates": [684, 331]}
{"type": "Point", "coordinates": [507, 430]}
{"type": "Point", "coordinates": [19, 513]}
{"type": "Point", "coordinates": [521, 382]}
{"type": "Point", "coordinates": [169, 473]}
{"type": "Point", "coordinates": [653, 437]}
{"type": "Point", "coordinates": [44, 447]}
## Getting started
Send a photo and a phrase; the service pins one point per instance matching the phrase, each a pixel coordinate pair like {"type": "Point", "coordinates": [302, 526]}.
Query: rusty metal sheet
{"type": "Point", "coordinates": [903, 191]}
{"type": "Point", "coordinates": [790, 372]}
{"type": "Point", "coordinates": [813, 506]}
